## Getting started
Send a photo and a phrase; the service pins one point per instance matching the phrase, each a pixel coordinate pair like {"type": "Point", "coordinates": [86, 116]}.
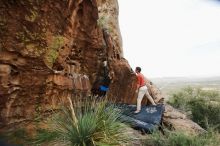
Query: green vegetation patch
{"type": "Point", "coordinates": [205, 113]}
{"type": "Point", "coordinates": [50, 57]}
{"type": "Point", "coordinates": [52, 51]}
{"type": "Point", "coordinates": [176, 138]}
{"type": "Point", "coordinates": [202, 106]}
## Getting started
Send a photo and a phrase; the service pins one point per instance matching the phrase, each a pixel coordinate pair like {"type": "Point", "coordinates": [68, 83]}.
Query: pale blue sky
{"type": "Point", "coordinates": [171, 37]}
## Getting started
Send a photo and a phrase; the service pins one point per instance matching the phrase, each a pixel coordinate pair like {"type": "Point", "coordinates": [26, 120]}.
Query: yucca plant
{"type": "Point", "coordinates": [89, 122]}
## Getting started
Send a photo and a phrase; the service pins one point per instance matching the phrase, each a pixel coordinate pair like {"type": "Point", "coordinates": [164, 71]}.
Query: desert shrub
{"type": "Point", "coordinates": [178, 102]}
{"type": "Point", "coordinates": [175, 138]}
{"type": "Point", "coordinates": [180, 99]}
{"type": "Point", "coordinates": [87, 123]}
{"type": "Point", "coordinates": [205, 113]}
{"type": "Point", "coordinates": [203, 106]}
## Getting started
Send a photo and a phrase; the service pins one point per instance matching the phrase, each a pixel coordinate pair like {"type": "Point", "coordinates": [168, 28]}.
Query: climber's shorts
{"type": "Point", "coordinates": [103, 88]}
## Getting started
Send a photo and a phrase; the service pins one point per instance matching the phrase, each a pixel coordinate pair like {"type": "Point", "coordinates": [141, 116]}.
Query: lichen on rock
{"type": "Point", "coordinates": [52, 51]}
{"type": "Point", "coordinates": [32, 17]}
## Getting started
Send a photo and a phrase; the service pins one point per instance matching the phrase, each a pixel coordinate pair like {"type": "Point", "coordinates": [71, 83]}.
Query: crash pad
{"type": "Point", "coordinates": [148, 119]}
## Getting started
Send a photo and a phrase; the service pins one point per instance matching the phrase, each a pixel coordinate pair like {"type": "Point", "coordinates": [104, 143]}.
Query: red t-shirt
{"type": "Point", "coordinates": [141, 81]}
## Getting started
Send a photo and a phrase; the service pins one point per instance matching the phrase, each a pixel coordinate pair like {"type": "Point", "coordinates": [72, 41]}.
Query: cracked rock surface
{"type": "Point", "coordinates": [50, 50]}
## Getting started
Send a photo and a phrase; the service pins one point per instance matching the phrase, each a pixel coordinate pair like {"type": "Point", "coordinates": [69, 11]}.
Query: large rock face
{"type": "Point", "coordinates": [52, 49]}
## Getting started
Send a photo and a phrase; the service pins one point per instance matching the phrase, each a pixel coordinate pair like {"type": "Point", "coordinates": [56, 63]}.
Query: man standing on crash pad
{"type": "Point", "coordinates": [141, 89]}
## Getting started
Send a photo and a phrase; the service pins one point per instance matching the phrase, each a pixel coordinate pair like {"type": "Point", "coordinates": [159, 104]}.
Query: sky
{"type": "Point", "coordinates": [171, 38]}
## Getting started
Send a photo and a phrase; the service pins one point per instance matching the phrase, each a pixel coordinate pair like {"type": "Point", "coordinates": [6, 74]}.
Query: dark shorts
{"type": "Point", "coordinates": [103, 88]}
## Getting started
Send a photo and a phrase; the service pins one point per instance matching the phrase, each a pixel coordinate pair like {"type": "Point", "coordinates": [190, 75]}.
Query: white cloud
{"type": "Point", "coordinates": [165, 38]}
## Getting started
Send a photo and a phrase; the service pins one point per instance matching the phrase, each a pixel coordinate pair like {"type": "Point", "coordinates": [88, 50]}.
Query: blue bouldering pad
{"type": "Point", "coordinates": [148, 119]}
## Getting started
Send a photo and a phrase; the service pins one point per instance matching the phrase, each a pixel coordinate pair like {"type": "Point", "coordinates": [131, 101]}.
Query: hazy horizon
{"type": "Point", "coordinates": [172, 38]}
{"type": "Point", "coordinates": [188, 77]}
